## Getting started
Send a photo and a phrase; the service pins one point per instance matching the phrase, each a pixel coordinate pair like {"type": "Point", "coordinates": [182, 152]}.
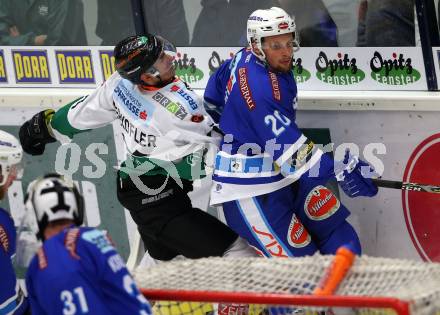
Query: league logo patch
{"type": "Point", "coordinates": [236, 165]}
{"type": "Point", "coordinates": [321, 203]}
{"type": "Point", "coordinates": [297, 235]}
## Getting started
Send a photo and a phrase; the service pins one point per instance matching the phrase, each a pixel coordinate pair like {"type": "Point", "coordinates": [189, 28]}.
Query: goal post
{"type": "Point", "coordinates": [283, 286]}
{"type": "Point", "coordinates": [269, 300]}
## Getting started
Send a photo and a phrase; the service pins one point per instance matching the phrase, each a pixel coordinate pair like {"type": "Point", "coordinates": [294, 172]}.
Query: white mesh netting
{"type": "Point", "coordinates": [412, 281]}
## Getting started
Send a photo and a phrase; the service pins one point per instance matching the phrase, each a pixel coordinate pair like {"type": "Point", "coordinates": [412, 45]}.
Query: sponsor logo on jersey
{"type": "Point", "coordinates": [99, 239]}
{"type": "Point", "coordinates": [75, 66]}
{"type": "Point", "coordinates": [3, 76]}
{"type": "Point", "coordinates": [42, 259]}
{"type": "Point", "coordinates": [128, 100]}
{"type": "Point", "coordinates": [186, 68]}
{"type": "Point", "coordinates": [270, 243]}
{"type": "Point", "coordinates": [394, 71]}
{"type": "Point", "coordinates": [420, 208]}
{"type": "Point", "coordinates": [300, 73]}
{"type": "Point", "coordinates": [143, 115]}
{"type": "Point", "coordinates": [303, 155]}
{"type": "Point", "coordinates": [173, 107]}
{"type": "Point", "coordinates": [197, 118]}
{"type": "Point", "coordinates": [275, 86]}
{"type": "Point", "coordinates": [158, 197]}
{"type": "Point", "coordinates": [107, 63]}
{"type": "Point", "coordinates": [31, 66]}
{"type": "Point", "coordinates": [244, 88]}
{"type": "Point", "coordinates": [321, 203]}
{"type": "Point", "coordinates": [4, 240]}
{"type": "Point", "coordinates": [297, 235]}
{"type": "Point", "coordinates": [185, 96]}
{"type": "Point", "coordinates": [339, 71]}
{"type": "Point", "coordinates": [116, 263]}
{"type": "Point", "coordinates": [70, 242]}
{"type": "Point", "coordinates": [135, 133]}
{"type": "Point", "coordinates": [232, 79]}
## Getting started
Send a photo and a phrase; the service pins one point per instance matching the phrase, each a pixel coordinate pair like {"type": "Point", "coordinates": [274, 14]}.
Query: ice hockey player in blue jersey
{"type": "Point", "coordinates": [12, 299]}
{"type": "Point", "coordinates": [270, 178]}
{"type": "Point", "coordinates": [76, 270]}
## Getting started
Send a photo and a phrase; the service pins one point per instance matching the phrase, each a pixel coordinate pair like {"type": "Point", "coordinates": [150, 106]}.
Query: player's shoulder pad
{"type": "Point", "coordinates": [97, 238]}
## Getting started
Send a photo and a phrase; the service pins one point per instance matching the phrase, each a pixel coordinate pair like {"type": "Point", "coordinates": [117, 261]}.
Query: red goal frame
{"type": "Point", "coordinates": [401, 307]}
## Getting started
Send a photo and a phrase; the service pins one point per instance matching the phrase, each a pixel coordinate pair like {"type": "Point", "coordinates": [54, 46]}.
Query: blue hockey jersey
{"type": "Point", "coordinates": [78, 271]}
{"type": "Point", "coordinates": [263, 149]}
{"type": "Point", "coordinates": [12, 300]}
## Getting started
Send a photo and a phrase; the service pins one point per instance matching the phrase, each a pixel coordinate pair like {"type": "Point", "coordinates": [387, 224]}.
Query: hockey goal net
{"type": "Point", "coordinates": [261, 286]}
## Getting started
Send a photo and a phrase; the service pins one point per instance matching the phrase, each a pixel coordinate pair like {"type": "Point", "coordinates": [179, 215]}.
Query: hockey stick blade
{"type": "Point", "coordinates": [406, 186]}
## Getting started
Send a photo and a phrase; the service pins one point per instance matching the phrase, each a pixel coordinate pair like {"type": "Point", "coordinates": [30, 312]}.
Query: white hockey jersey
{"type": "Point", "coordinates": [167, 123]}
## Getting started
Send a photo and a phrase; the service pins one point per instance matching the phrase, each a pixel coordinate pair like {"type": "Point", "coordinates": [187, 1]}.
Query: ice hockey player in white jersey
{"type": "Point", "coordinates": [12, 299]}
{"type": "Point", "coordinates": [166, 132]}
{"type": "Point", "coordinates": [76, 270]}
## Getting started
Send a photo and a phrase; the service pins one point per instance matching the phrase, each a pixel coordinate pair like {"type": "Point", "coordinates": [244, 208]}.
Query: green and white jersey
{"type": "Point", "coordinates": [166, 124]}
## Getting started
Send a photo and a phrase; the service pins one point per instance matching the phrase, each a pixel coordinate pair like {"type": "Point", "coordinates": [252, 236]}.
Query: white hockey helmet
{"type": "Point", "coordinates": [52, 198]}
{"type": "Point", "coordinates": [269, 22]}
{"type": "Point", "coordinates": [11, 154]}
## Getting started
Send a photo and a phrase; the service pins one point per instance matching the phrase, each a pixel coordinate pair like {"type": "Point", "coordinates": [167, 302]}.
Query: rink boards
{"type": "Point", "coordinates": [393, 224]}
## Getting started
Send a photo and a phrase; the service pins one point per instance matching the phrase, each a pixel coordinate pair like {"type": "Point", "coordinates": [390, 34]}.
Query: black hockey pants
{"type": "Point", "coordinates": [167, 222]}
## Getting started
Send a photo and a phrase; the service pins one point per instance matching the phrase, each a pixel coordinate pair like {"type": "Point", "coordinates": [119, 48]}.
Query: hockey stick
{"type": "Point", "coordinates": [406, 186]}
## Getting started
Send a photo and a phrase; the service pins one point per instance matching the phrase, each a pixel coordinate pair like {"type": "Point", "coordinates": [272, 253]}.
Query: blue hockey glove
{"type": "Point", "coordinates": [354, 177]}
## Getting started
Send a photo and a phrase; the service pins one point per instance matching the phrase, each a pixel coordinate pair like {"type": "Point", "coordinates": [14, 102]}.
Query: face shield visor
{"type": "Point", "coordinates": [292, 44]}
{"type": "Point", "coordinates": [165, 61]}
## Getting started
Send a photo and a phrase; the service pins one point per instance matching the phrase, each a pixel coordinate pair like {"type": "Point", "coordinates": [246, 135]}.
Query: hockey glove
{"type": "Point", "coordinates": [34, 133]}
{"type": "Point", "coordinates": [354, 177]}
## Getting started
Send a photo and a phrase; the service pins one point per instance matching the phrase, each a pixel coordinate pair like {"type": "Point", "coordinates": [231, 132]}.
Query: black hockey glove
{"type": "Point", "coordinates": [34, 133]}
